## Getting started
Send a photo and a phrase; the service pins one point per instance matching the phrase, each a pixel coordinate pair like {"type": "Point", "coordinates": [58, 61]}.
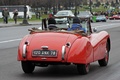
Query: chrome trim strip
{"type": "Point", "coordinates": [24, 51]}
{"type": "Point", "coordinates": [63, 52]}
{"type": "Point", "coordinates": [44, 47]}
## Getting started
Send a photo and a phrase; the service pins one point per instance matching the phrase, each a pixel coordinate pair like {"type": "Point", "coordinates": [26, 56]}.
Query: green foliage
{"type": "Point", "coordinates": [94, 8]}
{"type": "Point", "coordinates": [86, 7]}
{"type": "Point", "coordinates": [107, 3]}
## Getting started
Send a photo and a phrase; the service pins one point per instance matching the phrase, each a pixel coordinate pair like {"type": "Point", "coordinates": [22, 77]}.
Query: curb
{"type": "Point", "coordinates": [16, 25]}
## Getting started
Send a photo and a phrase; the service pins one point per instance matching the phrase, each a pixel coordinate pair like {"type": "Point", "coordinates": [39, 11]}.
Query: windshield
{"type": "Point", "coordinates": [85, 13]}
{"type": "Point", "coordinates": [101, 16]}
{"type": "Point", "coordinates": [62, 13]}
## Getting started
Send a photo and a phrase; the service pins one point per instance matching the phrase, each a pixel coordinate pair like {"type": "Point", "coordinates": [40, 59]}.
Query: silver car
{"type": "Point", "coordinates": [85, 14]}
{"type": "Point", "coordinates": [63, 16]}
{"type": "Point", "coordinates": [101, 18]}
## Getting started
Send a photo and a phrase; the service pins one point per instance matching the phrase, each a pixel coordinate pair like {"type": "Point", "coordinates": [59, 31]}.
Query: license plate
{"type": "Point", "coordinates": [45, 53]}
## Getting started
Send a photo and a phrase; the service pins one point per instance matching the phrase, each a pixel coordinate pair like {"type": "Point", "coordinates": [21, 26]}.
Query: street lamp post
{"type": "Point", "coordinates": [75, 8]}
{"type": "Point", "coordinates": [90, 6]}
{"type": "Point", "coordinates": [54, 11]}
{"type": "Point", "coordinates": [25, 13]}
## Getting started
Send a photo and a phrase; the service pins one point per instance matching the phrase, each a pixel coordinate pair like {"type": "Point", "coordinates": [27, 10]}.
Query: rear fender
{"type": "Point", "coordinates": [81, 51]}
{"type": "Point", "coordinates": [21, 46]}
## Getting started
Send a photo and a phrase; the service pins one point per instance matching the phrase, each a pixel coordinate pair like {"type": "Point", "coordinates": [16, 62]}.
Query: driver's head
{"type": "Point", "coordinates": [51, 21]}
{"type": "Point", "coordinates": [76, 20]}
{"type": "Point", "coordinates": [50, 16]}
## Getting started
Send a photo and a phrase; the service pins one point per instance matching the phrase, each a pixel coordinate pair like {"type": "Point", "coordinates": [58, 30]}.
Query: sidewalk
{"type": "Point", "coordinates": [12, 24]}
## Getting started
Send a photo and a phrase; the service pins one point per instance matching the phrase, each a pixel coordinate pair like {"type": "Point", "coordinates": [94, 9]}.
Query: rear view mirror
{"type": "Point", "coordinates": [94, 29]}
{"type": "Point", "coordinates": [68, 25]}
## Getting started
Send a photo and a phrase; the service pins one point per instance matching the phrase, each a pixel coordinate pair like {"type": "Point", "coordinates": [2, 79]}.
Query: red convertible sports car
{"type": "Point", "coordinates": [61, 47]}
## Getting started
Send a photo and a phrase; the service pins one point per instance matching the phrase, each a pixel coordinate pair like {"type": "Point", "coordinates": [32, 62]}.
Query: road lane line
{"type": "Point", "coordinates": [10, 40]}
{"type": "Point", "coordinates": [106, 25]}
{"type": "Point", "coordinates": [99, 26]}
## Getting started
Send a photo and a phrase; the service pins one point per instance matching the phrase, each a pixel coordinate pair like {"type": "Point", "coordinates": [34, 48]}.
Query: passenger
{"type": "Point", "coordinates": [76, 25]}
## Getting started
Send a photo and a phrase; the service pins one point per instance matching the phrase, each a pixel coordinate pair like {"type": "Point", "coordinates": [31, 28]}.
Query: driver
{"type": "Point", "coordinates": [76, 25]}
{"type": "Point", "coordinates": [51, 23]}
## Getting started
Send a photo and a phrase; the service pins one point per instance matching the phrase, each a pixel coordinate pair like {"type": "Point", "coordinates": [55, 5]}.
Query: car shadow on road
{"type": "Point", "coordinates": [60, 71]}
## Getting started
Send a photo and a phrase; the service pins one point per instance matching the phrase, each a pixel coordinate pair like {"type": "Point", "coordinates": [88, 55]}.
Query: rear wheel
{"type": "Point", "coordinates": [104, 61]}
{"type": "Point", "coordinates": [27, 67]}
{"type": "Point", "coordinates": [83, 68]}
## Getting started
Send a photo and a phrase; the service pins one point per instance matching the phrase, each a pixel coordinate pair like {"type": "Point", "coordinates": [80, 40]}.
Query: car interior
{"type": "Point", "coordinates": [63, 27]}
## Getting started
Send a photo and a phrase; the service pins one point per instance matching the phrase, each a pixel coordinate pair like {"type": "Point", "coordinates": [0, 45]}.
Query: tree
{"type": "Point", "coordinates": [96, 0]}
{"type": "Point", "coordinates": [107, 3]}
{"type": "Point", "coordinates": [91, 2]}
{"type": "Point", "coordinates": [117, 2]}
{"type": "Point", "coordinates": [85, 2]}
{"type": "Point", "coordinates": [112, 4]}
{"type": "Point", "coordinates": [98, 3]}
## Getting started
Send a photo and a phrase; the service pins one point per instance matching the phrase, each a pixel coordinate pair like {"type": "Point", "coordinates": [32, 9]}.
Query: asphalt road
{"type": "Point", "coordinates": [11, 36]}
{"type": "Point", "coordinates": [10, 68]}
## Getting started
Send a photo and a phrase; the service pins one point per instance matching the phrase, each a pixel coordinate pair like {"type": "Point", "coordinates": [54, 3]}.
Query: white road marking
{"type": "Point", "coordinates": [10, 40]}
{"type": "Point", "coordinates": [105, 25]}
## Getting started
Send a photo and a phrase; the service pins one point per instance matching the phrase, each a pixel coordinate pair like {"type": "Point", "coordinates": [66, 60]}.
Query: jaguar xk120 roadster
{"type": "Point", "coordinates": [59, 47]}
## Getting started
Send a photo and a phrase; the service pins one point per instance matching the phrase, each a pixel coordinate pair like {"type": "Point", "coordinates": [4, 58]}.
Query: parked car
{"type": "Point", "coordinates": [63, 16]}
{"type": "Point", "coordinates": [101, 18]}
{"type": "Point", "coordinates": [61, 47]}
{"type": "Point", "coordinates": [115, 17]}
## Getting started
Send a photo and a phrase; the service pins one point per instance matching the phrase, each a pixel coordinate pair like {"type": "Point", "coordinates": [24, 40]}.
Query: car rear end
{"type": "Point", "coordinates": [45, 47]}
